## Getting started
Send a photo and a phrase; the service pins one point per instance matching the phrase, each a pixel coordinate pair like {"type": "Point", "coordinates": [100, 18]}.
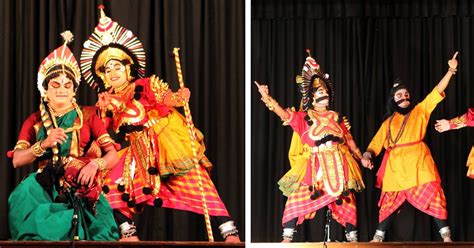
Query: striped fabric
{"type": "Point", "coordinates": [182, 192]}
{"type": "Point", "coordinates": [428, 198]}
{"type": "Point", "coordinates": [114, 197]}
{"type": "Point", "coordinates": [299, 205]}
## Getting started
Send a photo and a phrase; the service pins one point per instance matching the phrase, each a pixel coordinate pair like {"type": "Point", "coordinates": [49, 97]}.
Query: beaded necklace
{"type": "Point", "coordinates": [391, 142]}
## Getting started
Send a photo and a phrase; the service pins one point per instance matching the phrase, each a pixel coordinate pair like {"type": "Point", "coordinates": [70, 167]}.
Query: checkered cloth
{"type": "Point", "coordinates": [114, 197]}
{"type": "Point", "coordinates": [182, 192]}
{"type": "Point", "coordinates": [299, 205]}
{"type": "Point", "coordinates": [428, 198]}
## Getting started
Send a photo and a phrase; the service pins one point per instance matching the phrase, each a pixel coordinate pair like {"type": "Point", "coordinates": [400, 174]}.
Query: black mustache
{"type": "Point", "coordinates": [322, 98]}
{"type": "Point", "coordinates": [402, 100]}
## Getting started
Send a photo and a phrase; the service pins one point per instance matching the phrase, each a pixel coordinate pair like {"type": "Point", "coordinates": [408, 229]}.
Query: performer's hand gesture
{"type": "Point", "coordinates": [453, 63]}
{"type": "Point", "coordinates": [57, 135]}
{"type": "Point", "coordinates": [87, 173]}
{"type": "Point", "coordinates": [442, 125]}
{"type": "Point", "coordinates": [104, 100]}
{"type": "Point", "coordinates": [367, 160]}
{"type": "Point", "coordinates": [263, 89]}
{"type": "Point", "coordinates": [184, 93]}
{"type": "Point", "coordinates": [271, 104]}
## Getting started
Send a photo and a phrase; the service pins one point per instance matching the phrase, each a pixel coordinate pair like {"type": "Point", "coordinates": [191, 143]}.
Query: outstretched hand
{"type": "Point", "coordinates": [442, 125]}
{"type": "Point", "coordinates": [263, 89]}
{"type": "Point", "coordinates": [453, 63]}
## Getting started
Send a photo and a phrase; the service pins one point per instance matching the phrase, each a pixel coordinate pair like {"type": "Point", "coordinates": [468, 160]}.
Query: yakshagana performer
{"type": "Point", "coordinates": [72, 148]}
{"type": "Point", "coordinates": [464, 120]}
{"type": "Point", "coordinates": [156, 166]}
{"type": "Point", "coordinates": [322, 155]}
{"type": "Point", "coordinates": [408, 172]}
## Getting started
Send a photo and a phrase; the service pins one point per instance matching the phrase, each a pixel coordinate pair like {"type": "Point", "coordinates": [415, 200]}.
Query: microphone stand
{"type": "Point", "coordinates": [326, 227]}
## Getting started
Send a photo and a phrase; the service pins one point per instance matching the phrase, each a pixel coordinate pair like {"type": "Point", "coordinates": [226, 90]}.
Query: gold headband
{"type": "Point", "coordinates": [110, 53]}
{"type": "Point", "coordinates": [317, 82]}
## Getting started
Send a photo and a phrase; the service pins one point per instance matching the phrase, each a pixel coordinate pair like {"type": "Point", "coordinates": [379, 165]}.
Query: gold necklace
{"type": "Point", "coordinates": [121, 87]}
{"type": "Point", "coordinates": [61, 112]}
{"type": "Point", "coordinates": [74, 127]}
{"type": "Point", "coordinates": [319, 109]}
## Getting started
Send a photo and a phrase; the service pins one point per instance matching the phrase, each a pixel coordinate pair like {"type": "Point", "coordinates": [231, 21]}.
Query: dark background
{"type": "Point", "coordinates": [364, 46]}
{"type": "Point", "coordinates": [211, 36]}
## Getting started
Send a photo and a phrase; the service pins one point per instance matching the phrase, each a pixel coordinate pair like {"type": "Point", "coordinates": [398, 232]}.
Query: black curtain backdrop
{"type": "Point", "coordinates": [364, 46]}
{"type": "Point", "coordinates": [211, 36]}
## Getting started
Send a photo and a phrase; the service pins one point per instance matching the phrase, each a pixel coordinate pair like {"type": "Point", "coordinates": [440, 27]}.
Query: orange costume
{"type": "Point", "coordinates": [464, 120]}
{"type": "Point", "coordinates": [408, 171]}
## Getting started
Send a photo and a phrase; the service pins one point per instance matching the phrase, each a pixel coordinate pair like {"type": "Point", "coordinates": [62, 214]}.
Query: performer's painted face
{"type": "Point", "coordinates": [321, 97]}
{"type": "Point", "coordinates": [60, 91]}
{"type": "Point", "coordinates": [402, 98]}
{"type": "Point", "coordinates": [115, 73]}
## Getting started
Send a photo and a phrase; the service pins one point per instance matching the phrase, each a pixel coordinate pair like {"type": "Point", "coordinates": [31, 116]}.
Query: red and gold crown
{"type": "Point", "coordinates": [110, 41]}
{"type": "Point", "coordinates": [61, 56]}
{"type": "Point", "coordinates": [311, 78]}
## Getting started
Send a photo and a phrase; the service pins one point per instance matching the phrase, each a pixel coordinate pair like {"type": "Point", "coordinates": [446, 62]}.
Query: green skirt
{"type": "Point", "coordinates": [33, 215]}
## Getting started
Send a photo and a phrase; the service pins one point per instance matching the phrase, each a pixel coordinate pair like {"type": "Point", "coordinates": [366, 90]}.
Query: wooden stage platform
{"type": "Point", "coordinates": [93, 244]}
{"type": "Point", "coordinates": [171, 244]}
{"type": "Point", "coordinates": [366, 245]}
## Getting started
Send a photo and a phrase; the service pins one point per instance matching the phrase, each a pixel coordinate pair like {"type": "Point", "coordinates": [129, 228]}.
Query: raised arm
{"type": "Point", "coordinates": [271, 103]}
{"type": "Point", "coordinates": [453, 64]}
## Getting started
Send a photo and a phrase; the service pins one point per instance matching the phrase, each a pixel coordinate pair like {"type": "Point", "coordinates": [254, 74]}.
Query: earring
{"type": "Point", "coordinates": [106, 85]}
{"type": "Point", "coordinates": [127, 73]}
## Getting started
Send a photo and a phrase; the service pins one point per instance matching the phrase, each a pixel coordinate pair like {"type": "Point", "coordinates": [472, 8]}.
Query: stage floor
{"type": "Point", "coordinates": [165, 244]}
{"type": "Point", "coordinates": [366, 245]}
{"type": "Point", "coordinates": [94, 244]}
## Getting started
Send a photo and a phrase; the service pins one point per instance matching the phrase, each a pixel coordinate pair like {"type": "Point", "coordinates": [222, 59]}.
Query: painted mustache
{"type": "Point", "coordinates": [322, 98]}
{"type": "Point", "coordinates": [402, 100]}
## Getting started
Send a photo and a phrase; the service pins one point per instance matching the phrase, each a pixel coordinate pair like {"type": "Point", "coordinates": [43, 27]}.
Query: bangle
{"type": "Point", "coordinates": [453, 70]}
{"type": "Point", "coordinates": [358, 154]}
{"type": "Point", "coordinates": [101, 163]}
{"type": "Point", "coordinates": [177, 98]}
{"type": "Point", "coordinates": [270, 102]}
{"type": "Point", "coordinates": [37, 150]}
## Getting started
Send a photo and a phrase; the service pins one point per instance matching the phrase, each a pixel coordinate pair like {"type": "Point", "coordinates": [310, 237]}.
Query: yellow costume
{"type": "Point", "coordinates": [410, 165]}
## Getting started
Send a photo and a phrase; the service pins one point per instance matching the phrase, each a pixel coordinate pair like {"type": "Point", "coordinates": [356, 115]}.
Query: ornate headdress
{"type": "Point", "coordinates": [60, 60]}
{"type": "Point", "coordinates": [312, 77]}
{"type": "Point", "coordinates": [110, 41]}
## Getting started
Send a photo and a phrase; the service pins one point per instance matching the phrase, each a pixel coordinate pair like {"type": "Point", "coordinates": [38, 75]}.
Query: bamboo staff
{"type": "Point", "coordinates": [192, 135]}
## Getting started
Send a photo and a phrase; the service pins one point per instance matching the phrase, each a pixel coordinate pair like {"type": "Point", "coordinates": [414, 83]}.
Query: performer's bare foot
{"type": "Point", "coordinates": [376, 241]}
{"type": "Point", "coordinates": [232, 239]}
{"type": "Point", "coordinates": [285, 240]}
{"type": "Point", "coordinates": [129, 239]}
{"type": "Point", "coordinates": [447, 239]}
